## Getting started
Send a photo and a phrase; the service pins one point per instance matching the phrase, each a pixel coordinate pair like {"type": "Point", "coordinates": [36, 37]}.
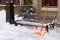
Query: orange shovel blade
{"type": "Point", "coordinates": [40, 31]}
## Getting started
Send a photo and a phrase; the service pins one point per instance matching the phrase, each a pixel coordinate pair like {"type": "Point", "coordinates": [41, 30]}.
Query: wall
{"type": "Point", "coordinates": [16, 9]}
{"type": "Point", "coordinates": [50, 12]}
{"type": "Point", "coordinates": [1, 7]}
{"type": "Point", "coordinates": [58, 15]}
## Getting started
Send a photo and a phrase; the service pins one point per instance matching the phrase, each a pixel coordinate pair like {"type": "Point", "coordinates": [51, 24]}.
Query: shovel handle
{"type": "Point", "coordinates": [44, 17]}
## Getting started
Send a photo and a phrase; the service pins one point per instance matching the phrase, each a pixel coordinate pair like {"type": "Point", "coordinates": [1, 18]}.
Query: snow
{"type": "Point", "coordinates": [49, 9]}
{"type": "Point", "coordinates": [12, 32]}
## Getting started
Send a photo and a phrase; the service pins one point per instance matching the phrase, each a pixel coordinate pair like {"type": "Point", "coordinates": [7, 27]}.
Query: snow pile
{"type": "Point", "coordinates": [12, 32]}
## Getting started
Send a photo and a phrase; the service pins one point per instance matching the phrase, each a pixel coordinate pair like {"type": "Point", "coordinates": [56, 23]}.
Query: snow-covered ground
{"type": "Point", "coordinates": [12, 32]}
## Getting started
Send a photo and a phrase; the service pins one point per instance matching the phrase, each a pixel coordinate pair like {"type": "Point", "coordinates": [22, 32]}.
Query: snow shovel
{"type": "Point", "coordinates": [41, 30]}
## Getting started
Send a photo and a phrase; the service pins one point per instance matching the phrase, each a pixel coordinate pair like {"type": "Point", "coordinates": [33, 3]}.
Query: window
{"type": "Point", "coordinates": [52, 3]}
{"type": "Point", "coordinates": [27, 2]}
{"type": "Point", "coordinates": [16, 2]}
{"type": "Point", "coordinates": [2, 1]}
